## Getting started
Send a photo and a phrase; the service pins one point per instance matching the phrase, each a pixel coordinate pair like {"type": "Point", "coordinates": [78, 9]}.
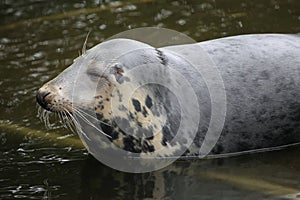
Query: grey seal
{"type": "Point", "coordinates": [260, 73]}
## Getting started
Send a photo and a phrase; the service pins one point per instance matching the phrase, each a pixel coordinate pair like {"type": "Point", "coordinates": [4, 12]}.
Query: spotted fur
{"type": "Point", "coordinates": [259, 74]}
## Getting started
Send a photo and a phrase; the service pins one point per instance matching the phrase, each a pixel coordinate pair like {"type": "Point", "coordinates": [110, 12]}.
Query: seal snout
{"type": "Point", "coordinates": [46, 96]}
{"type": "Point", "coordinates": [52, 98]}
{"type": "Point", "coordinates": [40, 98]}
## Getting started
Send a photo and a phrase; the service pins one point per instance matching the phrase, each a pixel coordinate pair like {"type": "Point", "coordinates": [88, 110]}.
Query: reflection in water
{"type": "Point", "coordinates": [246, 177]}
{"type": "Point", "coordinates": [38, 39]}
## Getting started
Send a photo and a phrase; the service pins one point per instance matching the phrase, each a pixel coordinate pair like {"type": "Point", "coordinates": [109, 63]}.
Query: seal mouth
{"type": "Point", "coordinates": [44, 101]}
{"type": "Point", "coordinates": [40, 98]}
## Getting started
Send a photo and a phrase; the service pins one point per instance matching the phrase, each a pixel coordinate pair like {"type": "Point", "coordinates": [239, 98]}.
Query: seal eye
{"type": "Point", "coordinates": [94, 76]}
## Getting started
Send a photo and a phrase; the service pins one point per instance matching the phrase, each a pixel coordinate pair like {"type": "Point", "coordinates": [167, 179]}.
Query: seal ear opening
{"type": "Point", "coordinates": [118, 71]}
{"type": "Point", "coordinates": [116, 68]}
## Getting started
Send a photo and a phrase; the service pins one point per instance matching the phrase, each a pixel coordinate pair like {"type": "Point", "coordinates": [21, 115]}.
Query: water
{"type": "Point", "coordinates": [39, 38]}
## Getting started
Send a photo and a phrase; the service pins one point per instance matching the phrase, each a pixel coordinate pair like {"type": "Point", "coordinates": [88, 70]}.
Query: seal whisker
{"type": "Point", "coordinates": [85, 43]}
{"type": "Point", "coordinates": [90, 123]}
{"type": "Point", "coordinates": [82, 111]}
{"type": "Point", "coordinates": [39, 111]}
{"type": "Point", "coordinates": [67, 119]}
{"type": "Point", "coordinates": [41, 114]}
{"type": "Point", "coordinates": [77, 125]}
{"type": "Point", "coordinates": [44, 116]}
{"type": "Point", "coordinates": [59, 117]}
{"type": "Point", "coordinates": [72, 124]}
{"type": "Point", "coordinates": [64, 118]}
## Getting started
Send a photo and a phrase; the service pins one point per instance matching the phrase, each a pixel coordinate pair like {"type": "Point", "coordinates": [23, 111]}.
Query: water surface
{"type": "Point", "coordinates": [39, 38]}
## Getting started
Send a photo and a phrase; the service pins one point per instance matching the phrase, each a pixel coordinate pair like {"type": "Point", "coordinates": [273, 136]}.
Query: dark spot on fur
{"type": "Point", "coordinates": [145, 113]}
{"type": "Point", "coordinates": [150, 137]}
{"type": "Point", "coordinates": [137, 105]}
{"type": "Point", "coordinates": [139, 124]}
{"type": "Point", "coordinates": [99, 116]}
{"type": "Point", "coordinates": [162, 57]}
{"type": "Point", "coordinates": [186, 152]}
{"type": "Point", "coordinates": [148, 102]}
{"type": "Point", "coordinates": [119, 95]}
{"type": "Point", "coordinates": [100, 107]}
{"type": "Point", "coordinates": [106, 121]}
{"type": "Point", "coordinates": [114, 135]}
{"type": "Point", "coordinates": [109, 130]}
{"type": "Point", "coordinates": [98, 97]}
{"type": "Point", "coordinates": [131, 115]}
{"type": "Point", "coordinates": [147, 148]}
{"type": "Point", "coordinates": [129, 144]}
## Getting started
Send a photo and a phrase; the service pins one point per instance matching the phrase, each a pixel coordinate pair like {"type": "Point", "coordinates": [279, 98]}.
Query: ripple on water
{"type": "Point", "coordinates": [27, 191]}
{"type": "Point", "coordinates": [33, 53]}
{"type": "Point", "coordinates": [27, 172]}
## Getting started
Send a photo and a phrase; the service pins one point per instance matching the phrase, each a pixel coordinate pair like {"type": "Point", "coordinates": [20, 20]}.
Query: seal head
{"type": "Point", "coordinates": [99, 90]}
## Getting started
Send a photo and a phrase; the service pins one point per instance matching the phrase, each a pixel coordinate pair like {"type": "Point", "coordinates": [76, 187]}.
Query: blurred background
{"type": "Point", "coordinates": [40, 38]}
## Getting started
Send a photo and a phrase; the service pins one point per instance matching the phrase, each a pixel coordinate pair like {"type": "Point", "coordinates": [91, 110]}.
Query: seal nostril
{"type": "Point", "coordinates": [46, 95]}
{"type": "Point", "coordinates": [40, 98]}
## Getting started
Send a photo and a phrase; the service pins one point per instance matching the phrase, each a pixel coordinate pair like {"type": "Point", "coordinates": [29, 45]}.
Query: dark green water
{"type": "Point", "coordinates": [39, 38]}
